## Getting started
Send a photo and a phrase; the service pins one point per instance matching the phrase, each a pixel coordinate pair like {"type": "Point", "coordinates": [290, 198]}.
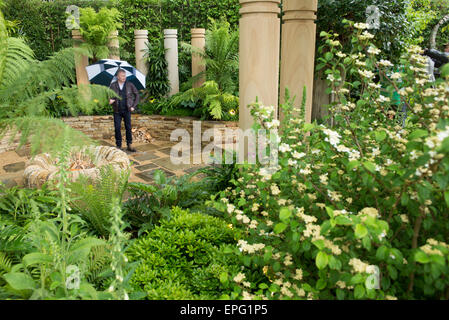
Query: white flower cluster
{"type": "Point", "coordinates": [366, 74]}
{"type": "Point", "coordinates": [371, 212]}
{"type": "Point", "coordinates": [250, 248]}
{"type": "Point", "coordinates": [373, 50]}
{"type": "Point", "coordinates": [358, 265]}
{"type": "Point", "coordinates": [361, 26]}
{"type": "Point", "coordinates": [366, 36]}
{"type": "Point", "coordinates": [265, 112]}
{"type": "Point", "coordinates": [385, 63]}
{"type": "Point", "coordinates": [333, 137]}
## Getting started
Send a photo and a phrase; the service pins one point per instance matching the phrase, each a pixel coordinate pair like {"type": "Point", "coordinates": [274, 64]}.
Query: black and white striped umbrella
{"type": "Point", "coordinates": [104, 73]}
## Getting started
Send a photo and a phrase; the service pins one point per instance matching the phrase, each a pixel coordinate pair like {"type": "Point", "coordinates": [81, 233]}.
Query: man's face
{"type": "Point", "coordinates": [446, 48]}
{"type": "Point", "coordinates": [121, 76]}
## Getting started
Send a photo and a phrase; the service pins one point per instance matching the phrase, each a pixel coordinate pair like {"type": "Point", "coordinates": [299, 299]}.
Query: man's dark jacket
{"type": "Point", "coordinates": [132, 96]}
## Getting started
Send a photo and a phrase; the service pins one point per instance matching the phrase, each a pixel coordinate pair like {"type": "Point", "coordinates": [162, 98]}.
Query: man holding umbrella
{"type": "Point", "coordinates": [129, 99]}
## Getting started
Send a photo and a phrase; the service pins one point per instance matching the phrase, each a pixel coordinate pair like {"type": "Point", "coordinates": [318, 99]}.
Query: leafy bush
{"type": "Point", "coordinates": [221, 56]}
{"type": "Point", "coordinates": [357, 211]}
{"type": "Point", "coordinates": [96, 27]}
{"type": "Point", "coordinates": [16, 204]}
{"type": "Point", "coordinates": [94, 201]}
{"type": "Point", "coordinates": [395, 27]}
{"type": "Point", "coordinates": [148, 204]}
{"type": "Point", "coordinates": [43, 23]}
{"type": "Point", "coordinates": [184, 258]}
{"type": "Point", "coordinates": [157, 84]}
{"type": "Point", "coordinates": [209, 101]}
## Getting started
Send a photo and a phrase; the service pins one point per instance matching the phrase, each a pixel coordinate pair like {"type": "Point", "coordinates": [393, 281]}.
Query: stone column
{"type": "Point", "coordinates": [198, 64]}
{"type": "Point", "coordinates": [298, 52]}
{"type": "Point", "coordinates": [171, 55]}
{"type": "Point", "coordinates": [81, 61]}
{"type": "Point", "coordinates": [141, 40]}
{"type": "Point", "coordinates": [259, 56]}
{"type": "Point", "coordinates": [114, 46]}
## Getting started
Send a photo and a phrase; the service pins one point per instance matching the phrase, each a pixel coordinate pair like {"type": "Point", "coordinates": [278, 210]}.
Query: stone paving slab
{"type": "Point", "coordinates": [146, 156]}
{"type": "Point", "coordinates": [147, 147]}
{"type": "Point", "coordinates": [148, 176]}
{"type": "Point", "coordinates": [24, 152]}
{"type": "Point", "coordinates": [14, 167]}
{"type": "Point", "coordinates": [147, 167]}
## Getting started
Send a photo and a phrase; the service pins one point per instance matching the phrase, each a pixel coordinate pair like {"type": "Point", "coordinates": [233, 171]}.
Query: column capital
{"type": "Point", "coordinates": [171, 33]}
{"type": "Point", "coordinates": [113, 34]}
{"type": "Point", "coordinates": [260, 6]}
{"type": "Point", "coordinates": [198, 32]}
{"type": "Point", "coordinates": [76, 34]}
{"type": "Point", "coordinates": [299, 10]}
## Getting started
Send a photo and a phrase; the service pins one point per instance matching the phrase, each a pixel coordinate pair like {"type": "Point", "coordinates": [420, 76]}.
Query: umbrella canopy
{"type": "Point", "coordinates": [103, 72]}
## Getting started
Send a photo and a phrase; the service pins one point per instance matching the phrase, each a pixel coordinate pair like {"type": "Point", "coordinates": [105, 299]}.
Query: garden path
{"type": "Point", "coordinates": [148, 158]}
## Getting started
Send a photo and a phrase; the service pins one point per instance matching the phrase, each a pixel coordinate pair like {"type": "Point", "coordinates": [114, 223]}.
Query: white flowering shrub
{"type": "Point", "coordinates": [359, 210]}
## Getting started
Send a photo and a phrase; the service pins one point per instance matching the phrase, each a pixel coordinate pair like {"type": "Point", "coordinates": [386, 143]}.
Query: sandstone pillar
{"type": "Point", "coordinates": [259, 56]}
{"type": "Point", "coordinates": [114, 46]}
{"type": "Point", "coordinates": [298, 52]}
{"type": "Point", "coordinates": [198, 64]}
{"type": "Point", "coordinates": [171, 55]}
{"type": "Point", "coordinates": [141, 40]}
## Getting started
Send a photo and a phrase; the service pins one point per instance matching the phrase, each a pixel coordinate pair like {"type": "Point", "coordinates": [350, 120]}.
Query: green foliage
{"type": "Point", "coordinates": [157, 84]}
{"type": "Point", "coordinates": [424, 15]}
{"type": "Point", "coordinates": [220, 176]}
{"type": "Point", "coordinates": [157, 15]}
{"type": "Point", "coordinates": [148, 204]}
{"type": "Point", "coordinates": [94, 200]}
{"type": "Point", "coordinates": [215, 99]}
{"type": "Point", "coordinates": [184, 257]}
{"type": "Point", "coordinates": [27, 86]}
{"type": "Point", "coordinates": [220, 56]}
{"type": "Point", "coordinates": [209, 102]}
{"type": "Point", "coordinates": [43, 23]}
{"type": "Point", "coordinates": [12, 238]}
{"type": "Point", "coordinates": [18, 203]}
{"type": "Point", "coordinates": [96, 27]}
{"type": "Point", "coordinates": [57, 258]}
{"type": "Point", "coordinates": [395, 27]}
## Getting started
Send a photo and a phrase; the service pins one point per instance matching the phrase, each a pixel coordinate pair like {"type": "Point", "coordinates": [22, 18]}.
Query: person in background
{"type": "Point", "coordinates": [438, 58]}
{"type": "Point", "coordinates": [129, 99]}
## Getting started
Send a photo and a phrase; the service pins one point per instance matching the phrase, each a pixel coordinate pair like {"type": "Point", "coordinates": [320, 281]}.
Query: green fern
{"type": "Point", "coordinates": [5, 264]}
{"type": "Point", "coordinates": [220, 55]}
{"type": "Point", "coordinates": [12, 238]}
{"type": "Point", "coordinates": [215, 102]}
{"type": "Point", "coordinates": [98, 266]}
{"type": "Point", "coordinates": [95, 27]}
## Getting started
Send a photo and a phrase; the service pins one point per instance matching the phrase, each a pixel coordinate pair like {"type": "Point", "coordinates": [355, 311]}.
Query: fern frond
{"type": "Point", "coordinates": [94, 201]}
{"type": "Point", "coordinates": [12, 238]}
{"type": "Point", "coordinates": [40, 76]}
{"type": "Point", "coordinates": [14, 60]}
{"type": "Point", "coordinates": [5, 264]}
{"type": "Point", "coordinates": [215, 109]}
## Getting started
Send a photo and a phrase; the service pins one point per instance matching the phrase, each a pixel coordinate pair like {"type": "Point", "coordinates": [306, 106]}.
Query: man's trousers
{"type": "Point", "coordinates": [126, 116]}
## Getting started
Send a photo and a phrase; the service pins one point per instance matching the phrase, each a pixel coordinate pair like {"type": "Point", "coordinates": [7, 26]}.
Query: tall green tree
{"type": "Point", "coordinates": [96, 27]}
